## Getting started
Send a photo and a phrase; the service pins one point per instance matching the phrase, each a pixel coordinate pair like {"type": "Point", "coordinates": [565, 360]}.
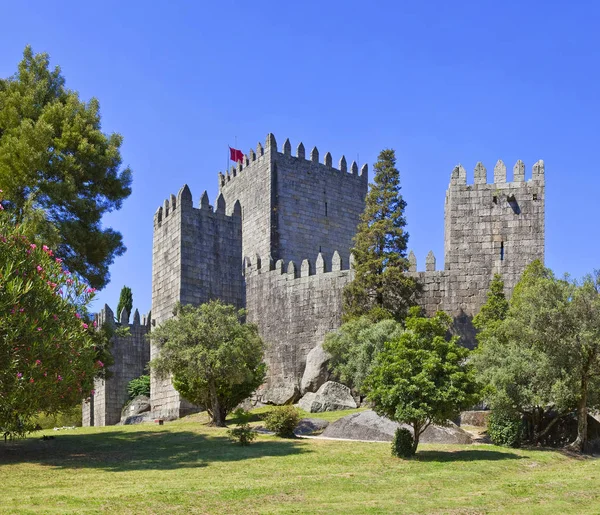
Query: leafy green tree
{"type": "Point", "coordinates": [49, 350]}
{"type": "Point", "coordinates": [380, 261]}
{"type": "Point", "coordinates": [421, 377]}
{"type": "Point", "coordinates": [125, 301]}
{"type": "Point", "coordinates": [354, 347]}
{"type": "Point", "coordinates": [59, 170]}
{"type": "Point", "coordinates": [495, 308]}
{"type": "Point", "coordinates": [545, 355]}
{"type": "Point", "coordinates": [215, 359]}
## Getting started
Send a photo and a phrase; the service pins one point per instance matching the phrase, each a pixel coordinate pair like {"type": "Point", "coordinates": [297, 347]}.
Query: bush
{"type": "Point", "coordinates": [505, 428]}
{"type": "Point", "coordinates": [139, 386]}
{"type": "Point", "coordinates": [283, 420]}
{"type": "Point", "coordinates": [243, 433]}
{"type": "Point", "coordinates": [69, 417]}
{"type": "Point", "coordinates": [403, 443]}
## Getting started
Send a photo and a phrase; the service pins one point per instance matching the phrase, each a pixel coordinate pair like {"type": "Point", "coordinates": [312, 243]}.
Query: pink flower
{"type": "Point", "coordinates": [38, 362]}
{"type": "Point", "coordinates": [58, 260]}
{"type": "Point", "coordinates": [33, 245]}
{"type": "Point", "coordinates": [1, 207]}
{"type": "Point", "coordinates": [39, 268]}
{"type": "Point", "coordinates": [95, 324]}
{"type": "Point", "coordinates": [59, 378]}
{"type": "Point", "coordinates": [39, 328]}
{"type": "Point", "coordinates": [90, 290]}
{"type": "Point", "coordinates": [31, 380]}
{"type": "Point", "coordinates": [19, 375]}
{"type": "Point", "coordinates": [93, 392]}
{"type": "Point", "coordinates": [45, 374]}
{"type": "Point", "coordinates": [100, 364]}
{"type": "Point", "coordinates": [85, 326]}
{"type": "Point", "coordinates": [55, 317]}
{"type": "Point", "coordinates": [45, 248]}
{"type": "Point", "coordinates": [77, 315]}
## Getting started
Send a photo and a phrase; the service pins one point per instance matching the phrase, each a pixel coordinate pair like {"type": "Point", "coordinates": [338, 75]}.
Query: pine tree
{"type": "Point", "coordinates": [125, 301]}
{"type": "Point", "coordinates": [381, 287]}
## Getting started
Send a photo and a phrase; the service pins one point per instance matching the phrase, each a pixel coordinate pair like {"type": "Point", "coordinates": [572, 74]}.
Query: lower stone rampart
{"type": "Point", "coordinates": [131, 355]}
{"type": "Point", "coordinates": [294, 310]}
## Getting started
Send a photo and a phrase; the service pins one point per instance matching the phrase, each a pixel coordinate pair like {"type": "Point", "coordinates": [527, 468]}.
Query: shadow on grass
{"type": "Point", "coordinates": [466, 455]}
{"type": "Point", "coordinates": [118, 450]}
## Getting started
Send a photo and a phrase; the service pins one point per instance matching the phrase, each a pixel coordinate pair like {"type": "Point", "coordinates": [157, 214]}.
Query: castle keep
{"type": "Point", "coordinates": [278, 239]}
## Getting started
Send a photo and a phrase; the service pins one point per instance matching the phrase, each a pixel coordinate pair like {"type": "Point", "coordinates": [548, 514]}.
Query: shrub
{"type": "Point", "coordinates": [69, 417]}
{"type": "Point", "coordinates": [139, 386]}
{"type": "Point", "coordinates": [243, 433]}
{"type": "Point", "coordinates": [505, 428]}
{"type": "Point", "coordinates": [403, 443]}
{"type": "Point", "coordinates": [283, 420]}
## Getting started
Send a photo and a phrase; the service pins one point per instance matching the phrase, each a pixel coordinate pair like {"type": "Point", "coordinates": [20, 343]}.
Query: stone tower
{"type": "Point", "coordinates": [196, 257]}
{"type": "Point", "coordinates": [489, 228]}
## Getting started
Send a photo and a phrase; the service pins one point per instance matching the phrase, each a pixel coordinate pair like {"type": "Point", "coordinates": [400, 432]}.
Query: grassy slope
{"type": "Point", "coordinates": [187, 467]}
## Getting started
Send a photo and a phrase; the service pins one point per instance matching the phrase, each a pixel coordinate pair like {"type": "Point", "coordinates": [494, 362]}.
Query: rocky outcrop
{"type": "Point", "coordinates": [281, 395]}
{"type": "Point", "coordinates": [310, 426]}
{"type": "Point", "coordinates": [137, 406]}
{"type": "Point", "coordinates": [331, 396]}
{"type": "Point", "coordinates": [315, 372]}
{"type": "Point", "coordinates": [367, 425]}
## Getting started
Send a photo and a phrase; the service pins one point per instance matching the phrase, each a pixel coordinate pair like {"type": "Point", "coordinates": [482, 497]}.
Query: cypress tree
{"type": "Point", "coordinates": [125, 301]}
{"type": "Point", "coordinates": [380, 287]}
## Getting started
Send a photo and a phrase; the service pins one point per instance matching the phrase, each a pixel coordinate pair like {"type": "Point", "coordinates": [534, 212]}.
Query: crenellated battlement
{"type": "Point", "coordinates": [458, 176]}
{"type": "Point", "coordinates": [430, 262]}
{"type": "Point", "coordinates": [270, 151]}
{"type": "Point", "coordinates": [183, 201]}
{"type": "Point", "coordinates": [257, 266]}
{"type": "Point", "coordinates": [106, 316]}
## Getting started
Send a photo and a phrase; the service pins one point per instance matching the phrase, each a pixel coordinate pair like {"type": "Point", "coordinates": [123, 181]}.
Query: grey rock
{"type": "Point", "coordinates": [281, 394]}
{"type": "Point", "coordinates": [139, 404]}
{"type": "Point", "coordinates": [315, 371]}
{"type": "Point", "coordinates": [309, 426]}
{"type": "Point", "coordinates": [367, 425]}
{"type": "Point", "coordinates": [331, 396]}
{"type": "Point", "coordinates": [476, 418]}
{"type": "Point", "coordinates": [137, 419]}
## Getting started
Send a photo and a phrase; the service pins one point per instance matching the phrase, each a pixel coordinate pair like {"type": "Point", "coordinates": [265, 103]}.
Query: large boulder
{"type": "Point", "coordinates": [315, 371]}
{"type": "Point", "coordinates": [281, 394]}
{"type": "Point", "coordinates": [476, 418]}
{"type": "Point", "coordinates": [309, 426]}
{"type": "Point", "coordinates": [331, 396]}
{"type": "Point", "coordinates": [138, 405]}
{"type": "Point", "coordinates": [367, 425]}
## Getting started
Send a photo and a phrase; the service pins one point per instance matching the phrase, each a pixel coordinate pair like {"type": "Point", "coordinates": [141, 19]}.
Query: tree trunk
{"type": "Point", "coordinates": [580, 443]}
{"type": "Point", "coordinates": [416, 436]}
{"type": "Point", "coordinates": [218, 412]}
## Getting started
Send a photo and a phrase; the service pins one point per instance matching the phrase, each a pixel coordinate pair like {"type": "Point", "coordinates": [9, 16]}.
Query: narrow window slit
{"type": "Point", "coordinates": [325, 208]}
{"type": "Point", "coordinates": [501, 251]}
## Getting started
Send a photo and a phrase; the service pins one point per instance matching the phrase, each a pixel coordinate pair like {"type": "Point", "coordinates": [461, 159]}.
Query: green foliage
{"type": "Point", "coordinates": [215, 359]}
{"type": "Point", "coordinates": [139, 386]}
{"type": "Point", "coordinates": [505, 428]}
{"type": "Point", "coordinates": [403, 444]}
{"type": "Point", "coordinates": [379, 251]}
{"type": "Point", "coordinates": [496, 306]}
{"type": "Point", "coordinates": [49, 352]}
{"type": "Point", "coordinates": [125, 301]}
{"type": "Point", "coordinates": [60, 172]}
{"type": "Point", "coordinates": [354, 347]}
{"type": "Point", "coordinates": [67, 418]}
{"type": "Point", "coordinates": [282, 420]}
{"type": "Point", "coordinates": [422, 378]}
{"type": "Point", "coordinates": [545, 355]}
{"type": "Point", "coordinates": [243, 433]}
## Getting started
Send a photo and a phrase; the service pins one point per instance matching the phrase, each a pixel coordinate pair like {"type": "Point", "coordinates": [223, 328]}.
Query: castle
{"type": "Point", "coordinates": [278, 241]}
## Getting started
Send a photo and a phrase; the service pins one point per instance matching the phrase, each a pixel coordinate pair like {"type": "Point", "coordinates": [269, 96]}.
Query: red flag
{"type": "Point", "coordinates": [236, 155]}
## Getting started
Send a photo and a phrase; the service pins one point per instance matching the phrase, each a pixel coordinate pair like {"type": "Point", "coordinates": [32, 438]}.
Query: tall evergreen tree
{"type": "Point", "coordinates": [125, 301]}
{"type": "Point", "coordinates": [381, 287]}
{"type": "Point", "coordinates": [60, 173]}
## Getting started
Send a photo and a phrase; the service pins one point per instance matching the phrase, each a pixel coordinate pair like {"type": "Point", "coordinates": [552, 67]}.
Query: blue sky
{"type": "Point", "coordinates": [440, 82]}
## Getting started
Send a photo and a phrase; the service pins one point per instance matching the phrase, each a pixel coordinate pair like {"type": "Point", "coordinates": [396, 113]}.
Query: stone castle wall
{"type": "Point", "coordinates": [197, 256]}
{"type": "Point", "coordinates": [293, 207]}
{"type": "Point", "coordinates": [294, 308]}
{"type": "Point", "coordinates": [276, 209]}
{"type": "Point", "coordinates": [131, 356]}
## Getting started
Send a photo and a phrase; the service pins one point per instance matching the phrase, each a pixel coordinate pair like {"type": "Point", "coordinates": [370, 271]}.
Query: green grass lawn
{"type": "Point", "coordinates": [188, 467]}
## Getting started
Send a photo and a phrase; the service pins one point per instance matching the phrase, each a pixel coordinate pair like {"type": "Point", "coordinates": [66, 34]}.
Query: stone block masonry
{"type": "Point", "coordinates": [196, 257]}
{"type": "Point", "coordinates": [274, 210]}
{"type": "Point", "coordinates": [294, 308]}
{"type": "Point", "coordinates": [131, 355]}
